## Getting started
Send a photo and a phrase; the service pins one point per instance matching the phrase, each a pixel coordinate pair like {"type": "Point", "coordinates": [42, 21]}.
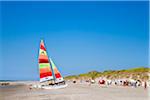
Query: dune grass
{"type": "Point", "coordinates": [140, 73]}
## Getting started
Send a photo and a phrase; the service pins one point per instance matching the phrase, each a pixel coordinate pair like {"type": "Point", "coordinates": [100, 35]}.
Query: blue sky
{"type": "Point", "coordinates": [79, 36]}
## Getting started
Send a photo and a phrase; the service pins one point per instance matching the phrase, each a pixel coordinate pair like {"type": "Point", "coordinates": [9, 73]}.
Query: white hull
{"type": "Point", "coordinates": [49, 86]}
{"type": "Point", "coordinates": [54, 86]}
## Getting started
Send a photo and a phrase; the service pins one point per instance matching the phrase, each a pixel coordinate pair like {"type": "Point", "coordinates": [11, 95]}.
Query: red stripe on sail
{"type": "Point", "coordinates": [43, 61]}
{"type": "Point", "coordinates": [58, 75]}
{"type": "Point", "coordinates": [42, 47]}
{"type": "Point", "coordinates": [45, 74]}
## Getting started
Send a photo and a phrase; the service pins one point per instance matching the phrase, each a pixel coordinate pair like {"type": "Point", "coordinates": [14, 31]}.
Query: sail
{"type": "Point", "coordinates": [44, 64]}
{"type": "Point", "coordinates": [58, 77]}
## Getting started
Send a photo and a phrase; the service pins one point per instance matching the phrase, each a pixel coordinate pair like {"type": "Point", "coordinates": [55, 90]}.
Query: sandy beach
{"type": "Point", "coordinates": [73, 92]}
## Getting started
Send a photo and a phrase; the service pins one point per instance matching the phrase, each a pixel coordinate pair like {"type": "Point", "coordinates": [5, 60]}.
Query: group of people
{"type": "Point", "coordinates": [123, 82]}
{"type": "Point", "coordinates": [116, 82]}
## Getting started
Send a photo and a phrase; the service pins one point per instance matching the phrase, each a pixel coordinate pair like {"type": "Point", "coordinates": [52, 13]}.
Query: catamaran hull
{"type": "Point", "coordinates": [55, 86]}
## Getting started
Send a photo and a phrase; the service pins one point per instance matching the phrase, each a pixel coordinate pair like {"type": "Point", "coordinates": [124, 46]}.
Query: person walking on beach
{"type": "Point", "coordinates": [145, 85]}
{"type": "Point", "coordinates": [89, 82]}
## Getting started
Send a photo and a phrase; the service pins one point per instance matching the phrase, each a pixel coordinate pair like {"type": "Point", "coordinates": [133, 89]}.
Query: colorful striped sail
{"type": "Point", "coordinates": [44, 64]}
{"type": "Point", "coordinates": [58, 77]}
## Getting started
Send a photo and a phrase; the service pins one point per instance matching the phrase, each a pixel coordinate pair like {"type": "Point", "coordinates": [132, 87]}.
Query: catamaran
{"type": "Point", "coordinates": [50, 77]}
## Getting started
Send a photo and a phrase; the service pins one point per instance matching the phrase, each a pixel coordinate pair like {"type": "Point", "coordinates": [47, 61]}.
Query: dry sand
{"type": "Point", "coordinates": [73, 92]}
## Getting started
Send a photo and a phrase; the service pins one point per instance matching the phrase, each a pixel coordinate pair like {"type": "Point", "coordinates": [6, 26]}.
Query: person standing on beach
{"type": "Point", "coordinates": [89, 82]}
{"type": "Point", "coordinates": [145, 85]}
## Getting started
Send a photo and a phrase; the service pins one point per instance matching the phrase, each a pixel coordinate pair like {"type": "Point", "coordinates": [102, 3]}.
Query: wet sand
{"type": "Point", "coordinates": [73, 92]}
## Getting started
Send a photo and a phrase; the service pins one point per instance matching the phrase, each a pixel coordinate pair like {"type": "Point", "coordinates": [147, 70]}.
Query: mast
{"type": "Point", "coordinates": [44, 64]}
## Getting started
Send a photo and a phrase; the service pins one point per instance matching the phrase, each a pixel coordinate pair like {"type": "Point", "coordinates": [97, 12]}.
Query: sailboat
{"type": "Point", "coordinates": [50, 77]}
